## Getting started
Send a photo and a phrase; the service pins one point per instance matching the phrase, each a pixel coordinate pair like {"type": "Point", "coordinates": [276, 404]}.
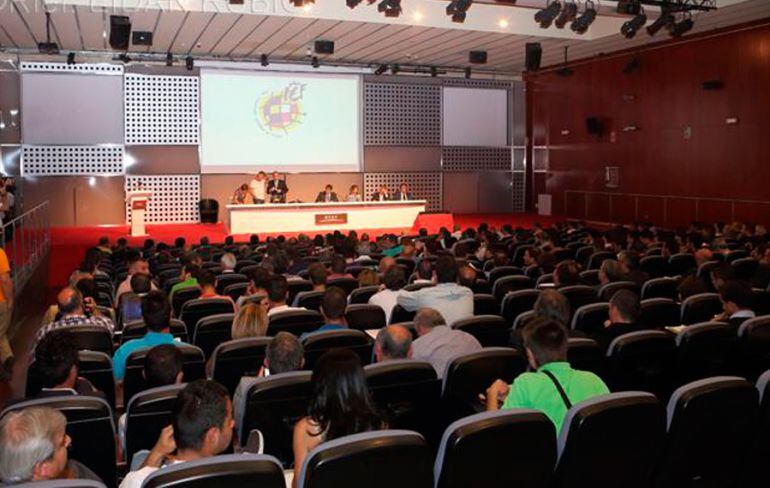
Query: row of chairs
{"type": "Point", "coordinates": [713, 433]}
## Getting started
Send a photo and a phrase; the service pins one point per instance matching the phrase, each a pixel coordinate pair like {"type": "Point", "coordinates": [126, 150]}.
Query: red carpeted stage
{"type": "Point", "coordinates": [68, 244]}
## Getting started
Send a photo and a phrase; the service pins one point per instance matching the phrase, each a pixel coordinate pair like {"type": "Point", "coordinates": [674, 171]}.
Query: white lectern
{"type": "Point", "coordinates": [137, 204]}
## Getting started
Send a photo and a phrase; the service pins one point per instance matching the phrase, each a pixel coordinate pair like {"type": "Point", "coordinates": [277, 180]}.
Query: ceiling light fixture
{"type": "Point", "coordinates": [582, 23]}
{"type": "Point", "coordinates": [568, 14]}
{"type": "Point", "coordinates": [546, 16]}
{"type": "Point", "coordinates": [630, 27]}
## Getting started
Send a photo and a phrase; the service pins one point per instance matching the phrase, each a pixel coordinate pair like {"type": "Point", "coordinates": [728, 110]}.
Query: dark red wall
{"type": "Point", "coordinates": [662, 98]}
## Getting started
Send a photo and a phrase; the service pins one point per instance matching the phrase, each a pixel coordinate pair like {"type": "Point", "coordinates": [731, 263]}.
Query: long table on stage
{"type": "Point", "coordinates": [323, 217]}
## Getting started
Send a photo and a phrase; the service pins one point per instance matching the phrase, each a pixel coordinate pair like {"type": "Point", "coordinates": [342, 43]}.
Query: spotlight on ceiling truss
{"type": "Point", "coordinates": [683, 26]}
{"type": "Point", "coordinates": [546, 16]}
{"type": "Point", "coordinates": [630, 27]}
{"type": "Point", "coordinates": [457, 9]}
{"type": "Point", "coordinates": [391, 8]}
{"type": "Point", "coordinates": [582, 23]}
{"type": "Point", "coordinates": [568, 14]}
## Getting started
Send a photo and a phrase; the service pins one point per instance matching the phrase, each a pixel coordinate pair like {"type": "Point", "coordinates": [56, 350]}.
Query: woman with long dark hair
{"type": "Point", "coordinates": [341, 405]}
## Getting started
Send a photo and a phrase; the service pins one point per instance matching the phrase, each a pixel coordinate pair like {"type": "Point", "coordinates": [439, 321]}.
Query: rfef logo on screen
{"type": "Point", "coordinates": [280, 112]}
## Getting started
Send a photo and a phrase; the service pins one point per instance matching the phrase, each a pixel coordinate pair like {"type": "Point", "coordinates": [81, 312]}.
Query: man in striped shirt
{"type": "Point", "coordinates": [75, 312]}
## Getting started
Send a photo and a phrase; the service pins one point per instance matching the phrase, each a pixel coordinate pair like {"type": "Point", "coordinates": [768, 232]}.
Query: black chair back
{"type": "Point", "coordinates": [606, 292]}
{"type": "Point", "coordinates": [92, 338]}
{"type": "Point", "coordinates": [468, 456]}
{"type": "Point", "coordinates": [744, 267]}
{"type": "Point", "coordinates": [703, 350]}
{"type": "Point", "coordinates": [136, 330]}
{"type": "Point", "coordinates": [227, 279]}
{"type": "Point", "coordinates": [469, 375]}
{"type": "Point", "coordinates": [700, 308]}
{"type": "Point", "coordinates": [194, 310]}
{"type": "Point", "coordinates": [590, 277]}
{"type": "Point", "coordinates": [500, 271]}
{"type": "Point", "coordinates": [660, 288]}
{"type": "Point", "coordinates": [659, 312]}
{"type": "Point", "coordinates": [510, 283]}
{"type": "Point", "coordinates": [365, 317]}
{"type": "Point", "coordinates": [345, 284]}
{"type": "Point", "coordinates": [710, 428]}
{"type": "Point", "coordinates": [297, 322]}
{"type": "Point", "coordinates": [317, 343]}
{"type": "Point", "coordinates": [518, 302]}
{"type": "Point", "coordinates": [234, 359]}
{"type": "Point", "coordinates": [599, 429]}
{"type": "Point", "coordinates": [273, 405]}
{"type": "Point", "coordinates": [227, 471]}
{"type": "Point", "coordinates": [485, 304]}
{"type": "Point", "coordinates": [754, 346]}
{"type": "Point", "coordinates": [310, 300]}
{"type": "Point", "coordinates": [578, 295]}
{"type": "Point", "coordinates": [681, 264]}
{"type": "Point", "coordinates": [596, 259]}
{"type": "Point", "coordinates": [399, 314]}
{"type": "Point", "coordinates": [182, 296]}
{"type": "Point", "coordinates": [654, 266]}
{"type": "Point", "coordinates": [489, 330]}
{"type": "Point", "coordinates": [641, 361]}
{"type": "Point", "coordinates": [363, 294]}
{"type": "Point", "coordinates": [213, 330]}
{"type": "Point", "coordinates": [369, 460]}
{"type": "Point", "coordinates": [585, 354]}
{"type": "Point", "coordinates": [147, 413]}
{"type": "Point", "coordinates": [296, 286]}
{"type": "Point", "coordinates": [589, 319]}
{"type": "Point", "coordinates": [236, 290]}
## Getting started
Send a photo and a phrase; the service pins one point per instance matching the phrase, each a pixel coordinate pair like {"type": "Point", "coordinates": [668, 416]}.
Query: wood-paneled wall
{"type": "Point", "coordinates": [683, 147]}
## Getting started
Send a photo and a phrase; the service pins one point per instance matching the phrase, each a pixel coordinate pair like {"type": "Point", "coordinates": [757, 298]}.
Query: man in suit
{"type": "Point", "coordinates": [327, 195]}
{"type": "Point", "coordinates": [382, 195]}
{"type": "Point", "coordinates": [737, 299]}
{"type": "Point", "coordinates": [277, 189]}
{"type": "Point", "coordinates": [403, 193]}
{"type": "Point", "coordinates": [623, 315]}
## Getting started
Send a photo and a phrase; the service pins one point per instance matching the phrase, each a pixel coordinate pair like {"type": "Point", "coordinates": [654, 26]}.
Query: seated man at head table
{"type": "Point", "coordinates": [382, 195]}
{"type": "Point", "coordinates": [328, 195]}
{"type": "Point", "coordinates": [277, 189]}
{"type": "Point", "coordinates": [403, 193]}
{"type": "Point", "coordinates": [241, 196]}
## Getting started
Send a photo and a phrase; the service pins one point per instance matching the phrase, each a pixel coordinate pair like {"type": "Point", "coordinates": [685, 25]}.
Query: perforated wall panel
{"type": "Point", "coordinates": [105, 69]}
{"type": "Point", "coordinates": [519, 190]}
{"type": "Point", "coordinates": [464, 158]}
{"type": "Point", "coordinates": [72, 160]}
{"type": "Point", "coordinates": [161, 109]}
{"type": "Point", "coordinates": [424, 186]}
{"type": "Point", "coordinates": [174, 197]}
{"type": "Point", "coordinates": [504, 85]}
{"type": "Point", "coordinates": [402, 114]}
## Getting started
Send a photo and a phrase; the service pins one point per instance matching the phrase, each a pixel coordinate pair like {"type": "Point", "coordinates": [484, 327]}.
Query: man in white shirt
{"type": "Point", "coordinates": [202, 426]}
{"type": "Point", "coordinates": [258, 187]}
{"type": "Point", "coordinates": [386, 299]}
{"type": "Point", "coordinates": [453, 302]}
{"type": "Point", "coordinates": [277, 293]}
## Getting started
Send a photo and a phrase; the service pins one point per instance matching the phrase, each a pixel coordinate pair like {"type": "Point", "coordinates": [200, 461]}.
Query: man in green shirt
{"type": "Point", "coordinates": [189, 278]}
{"type": "Point", "coordinates": [555, 386]}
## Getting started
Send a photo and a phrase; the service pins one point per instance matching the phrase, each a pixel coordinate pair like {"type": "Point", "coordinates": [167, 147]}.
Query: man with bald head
{"type": "Point", "coordinates": [73, 313]}
{"type": "Point", "coordinates": [466, 276]}
{"type": "Point", "coordinates": [386, 263]}
{"type": "Point", "coordinates": [393, 342]}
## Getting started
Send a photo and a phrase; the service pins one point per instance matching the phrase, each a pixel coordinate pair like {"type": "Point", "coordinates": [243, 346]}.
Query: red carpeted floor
{"type": "Point", "coordinates": [68, 244]}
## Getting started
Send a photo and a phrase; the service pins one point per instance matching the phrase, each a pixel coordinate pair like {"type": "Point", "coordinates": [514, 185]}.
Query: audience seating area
{"type": "Point", "coordinates": [690, 401]}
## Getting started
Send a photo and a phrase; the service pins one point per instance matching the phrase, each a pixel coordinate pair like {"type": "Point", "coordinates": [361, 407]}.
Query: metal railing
{"type": "Point", "coordinates": [664, 198]}
{"type": "Point", "coordinates": [26, 240]}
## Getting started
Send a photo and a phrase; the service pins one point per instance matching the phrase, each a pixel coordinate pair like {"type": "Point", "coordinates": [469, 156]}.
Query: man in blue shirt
{"type": "Point", "coordinates": [156, 312]}
{"type": "Point", "coordinates": [333, 306]}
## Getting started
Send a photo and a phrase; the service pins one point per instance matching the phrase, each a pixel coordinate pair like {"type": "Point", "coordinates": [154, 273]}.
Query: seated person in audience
{"type": "Point", "coordinates": [75, 313]}
{"type": "Point", "coordinates": [341, 405]}
{"type": "Point", "coordinates": [136, 265]}
{"type": "Point", "coordinates": [277, 293]}
{"type": "Point", "coordinates": [761, 277]}
{"type": "Point", "coordinates": [354, 195]}
{"type": "Point", "coordinates": [567, 273]}
{"type": "Point", "coordinates": [328, 195]}
{"type": "Point", "coordinates": [333, 306]}
{"type": "Point", "coordinates": [228, 262]}
{"type": "Point", "coordinates": [156, 313]}
{"type": "Point", "coordinates": [256, 290]}
{"type": "Point", "coordinates": [250, 321]}
{"type": "Point", "coordinates": [424, 272]}
{"type": "Point", "coordinates": [56, 361]}
{"type": "Point", "coordinates": [104, 245]}
{"type": "Point", "coordinates": [690, 286]}
{"type": "Point", "coordinates": [609, 271]}
{"type": "Point", "coordinates": [630, 268]}
{"type": "Point", "coordinates": [453, 302]}
{"type": "Point", "coordinates": [408, 249]}
{"type": "Point", "coordinates": [623, 315]}
{"type": "Point", "coordinates": [393, 342]}
{"type": "Point", "coordinates": [437, 343]}
{"type": "Point", "coordinates": [382, 195]}
{"type": "Point", "coordinates": [33, 447]}
{"type": "Point", "coordinates": [202, 426]}
{"type": "Point", "coordinates": [721, 274]}
{"type": "Point", "coordinates": [403, 193]}
{"type": "Point", "coordinates": [162, 367]}
{"type": "Point", "coordinates": [368, 277]}
{"type": "Point", "coordinates": [318, 276]}
{"type": "Point", "coordinates": [553, 386]}
{"type": "Point", "coordinates": [283, 354]}
{"type": "Point", "coordinates": [385, 263]}
{"type": "Point", "coordinates": [241, 195]}
{"type": "Point", "coordinates": [467, 276]}
{"type": "Point", "coordinates": [552, 305]}
{"type": "Point", "coordinates": [737, 299]}
{"type": "Point", "coordinates": [703, 256]}
{"type": "Point", "coordinates": [207, 280]}
{"type": "Point", "coordinates": [131, 303]}
{"type": "Point", "coordinates": [386, 298]}
{"type": "Point", "coordinates": [190, 274]}
{"type": "Point", "coordinates": [338, 269]}
{"type": "Point", "coordinates": [531, 255]}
